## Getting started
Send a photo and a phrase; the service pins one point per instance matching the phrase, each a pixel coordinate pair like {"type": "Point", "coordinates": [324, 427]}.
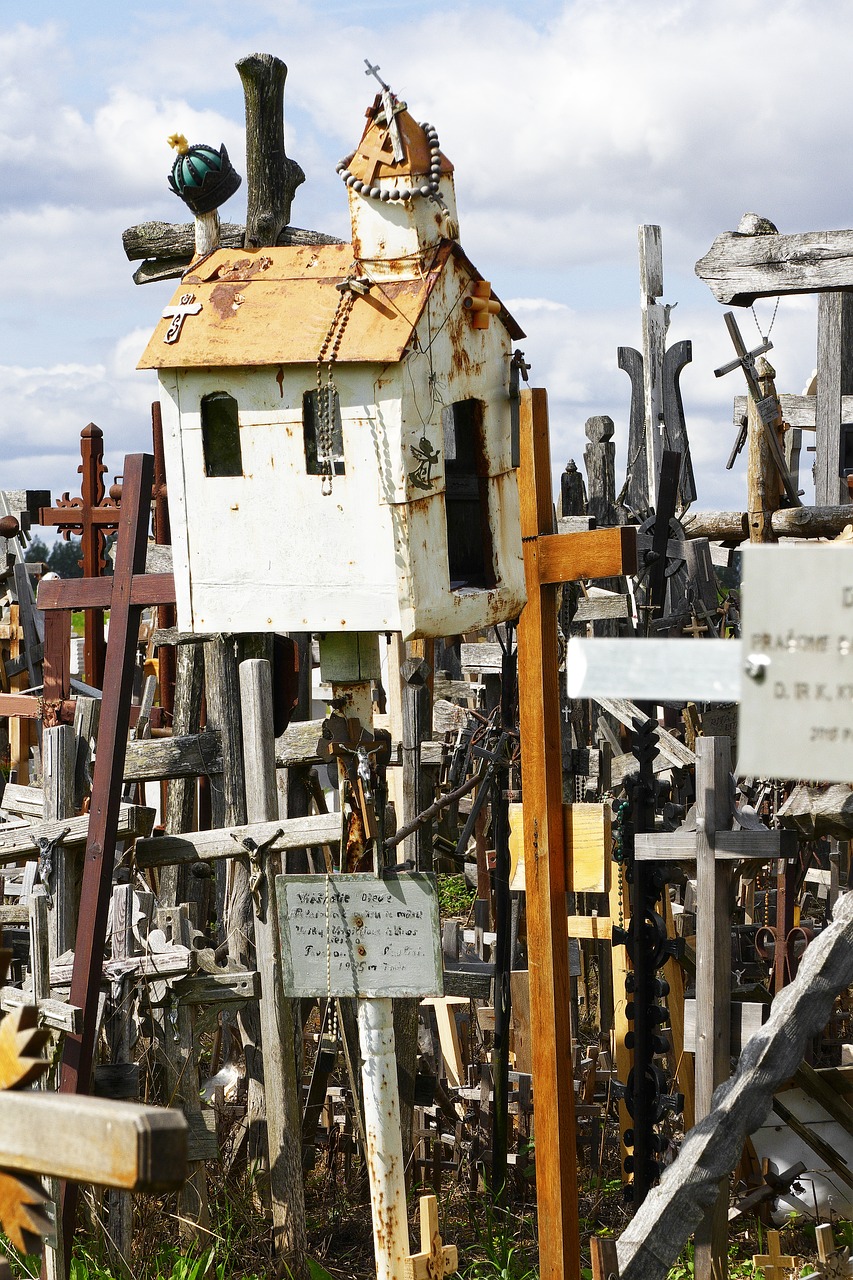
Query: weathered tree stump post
{"type": "Point", "coordinates": [271, 176]}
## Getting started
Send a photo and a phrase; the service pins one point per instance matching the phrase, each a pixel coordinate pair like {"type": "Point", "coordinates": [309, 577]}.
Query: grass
{"type": "Point", "coordinates": [454, 896]}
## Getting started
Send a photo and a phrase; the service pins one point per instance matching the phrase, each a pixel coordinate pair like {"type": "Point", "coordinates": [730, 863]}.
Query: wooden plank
{"type": "Point", "coordinates": [556, 1141]}
{"type": "Point", "coordinates": [728, 845]}
{"type": "Point", "coordinates": [21, 842]}
{"type": "Point", "coordinates": [673, 670]}
{"type": "Point", "coordinates": [590, 927]}
{"type": "Point", "coordinates": [820, 1147]}
{"type": "Point", "coordinates": [287, 833]}
{"type": "Point", "coordinates": [193, 755]}
{"type": "Point", "coordinates": [218, 988]}
{"type": "Point", "coordinates": [814, 1084]}
{"type": "Point", "coordinates": [601, 553]}
{"type": "Point", "coordinates": [740, 268]}
{"type": "Point", "coordinates": [627, 712]}
{"type": "Point", "coordinates": [586, 848]}
{"type": "Point", "coordinates": [297, 746]}
{"type": "Point", "coordinates": [797, 411]}
{"type": "Point", "coordinates": [96, 593]}
{"type": "Point", "coordinates": [97, 1140]}
{"type": "Point", "coordinates": [58, 1014]}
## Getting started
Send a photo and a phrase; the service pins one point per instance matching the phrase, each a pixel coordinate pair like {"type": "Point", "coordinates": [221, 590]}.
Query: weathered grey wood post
{"type": "Point", "coordinates": [271, 176]}
{"type": "Point", "coordinates": [713, 974]}
{"type": "Point", "coordinates": [834, 379]}
{"type": "Point", "coordinates": [284, 1127]}
{"type": "Point", "coordinates": [599, 458]}
{"type": "Point", "coordinates": [175, 882]}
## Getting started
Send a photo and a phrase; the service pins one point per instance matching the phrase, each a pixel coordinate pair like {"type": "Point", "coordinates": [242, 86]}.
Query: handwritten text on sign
{"type": "Point", "coordinates": [796, 716]}
{"type": "Point", "coordinates": [345, 935]}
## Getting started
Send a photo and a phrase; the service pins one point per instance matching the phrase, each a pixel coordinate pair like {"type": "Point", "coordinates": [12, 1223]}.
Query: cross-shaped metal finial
{"type": "Point", "coordinates": [374, 71]}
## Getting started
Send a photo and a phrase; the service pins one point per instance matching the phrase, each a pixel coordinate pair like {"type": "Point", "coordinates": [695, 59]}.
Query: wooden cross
{"type": "Point", "coordinates": [740, 268]}
{"type": "Point", "coordinates": [435, 1259]}
{"type": "Point", "coordinates": [125, 595]}
{"type": "Point", "coordinates": [766, 406]}
{"type": "Point", "coordinates": [657, 412]}
{"type": "Point", "coordinates": [550, 559]}
{"type": "Point", "coordinates": [775, 1264]}
{"type": "Point", "coordinates": [374, 150]}
{"type": "Point", "coordinates": [90, 517]}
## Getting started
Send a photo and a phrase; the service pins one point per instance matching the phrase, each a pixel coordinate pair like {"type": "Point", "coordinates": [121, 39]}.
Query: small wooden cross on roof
{"type": "Point", "coordinates": [774, 1264]}
{"type": "Point", "coordinates": [435, 1259]}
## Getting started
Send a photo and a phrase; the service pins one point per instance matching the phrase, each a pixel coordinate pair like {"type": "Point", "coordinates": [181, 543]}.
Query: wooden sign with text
{"type": "Point", "coordinates": [356, 935]}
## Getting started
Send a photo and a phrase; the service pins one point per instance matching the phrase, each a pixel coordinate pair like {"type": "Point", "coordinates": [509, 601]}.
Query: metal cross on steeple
{"type": "Point", "coordinates": [390, 107]}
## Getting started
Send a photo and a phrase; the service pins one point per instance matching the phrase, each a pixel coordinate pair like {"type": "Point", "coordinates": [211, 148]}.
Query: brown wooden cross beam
{"type": "Point", "coordinates": [91, 517]}
{"type": "Point", "coordinates": [550, 559]}
{"type": "Point", "coordinates": [125, 595]}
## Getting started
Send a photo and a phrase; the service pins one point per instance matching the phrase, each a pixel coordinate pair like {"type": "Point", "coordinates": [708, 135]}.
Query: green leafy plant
{"type": "Point", "coordinates": [454, 896]}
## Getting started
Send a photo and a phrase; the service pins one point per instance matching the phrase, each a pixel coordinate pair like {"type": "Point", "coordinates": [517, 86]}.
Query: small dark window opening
{"type": "Point", "coordinates": [220, 435]}
{"type": "Point", "coordinates": [466, 498]}
{"type": "Point", "coordinates": [311, 426]}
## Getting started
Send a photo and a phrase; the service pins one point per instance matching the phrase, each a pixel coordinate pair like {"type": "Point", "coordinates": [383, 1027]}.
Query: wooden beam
{"type": "Point", "coordinates": [111, 1144]}
{"type": "Point", "coordinates": [97, 593]}
{"type": "Point", "coordinates": [740, 268]}
{"type": "Point", "coordinates": [20, 842]}
{"type": "Point", "coordinates": [601, 553]}
{"type": "Point", "coordinates": [288, 833]}
{"type": "Point", "coordinates": [789, 522]}
{"type": "Point", "coordinates": [548, 944]}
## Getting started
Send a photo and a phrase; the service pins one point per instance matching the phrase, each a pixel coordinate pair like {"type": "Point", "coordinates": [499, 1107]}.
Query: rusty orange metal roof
{"type": "Point", "coordinates": [275, 306]}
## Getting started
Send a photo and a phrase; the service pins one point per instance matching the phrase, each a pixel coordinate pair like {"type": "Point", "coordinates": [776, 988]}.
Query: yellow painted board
{"type": "Point", "coordinates": [587, 847]}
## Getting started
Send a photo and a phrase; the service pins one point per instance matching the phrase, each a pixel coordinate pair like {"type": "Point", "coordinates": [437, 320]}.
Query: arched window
{"type": "Point", "coordinates": [220, 435]}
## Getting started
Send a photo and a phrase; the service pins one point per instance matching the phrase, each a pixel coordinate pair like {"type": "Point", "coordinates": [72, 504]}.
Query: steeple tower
{"type": "Point", "coordinates": [402, 201]}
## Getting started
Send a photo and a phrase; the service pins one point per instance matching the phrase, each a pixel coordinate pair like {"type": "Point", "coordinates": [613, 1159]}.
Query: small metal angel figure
{"type": "Point", "coordinates": [426, 458]}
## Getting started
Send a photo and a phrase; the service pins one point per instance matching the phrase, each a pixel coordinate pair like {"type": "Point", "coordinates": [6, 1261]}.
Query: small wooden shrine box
{"type": "Point", "coordinates": [420, 532]}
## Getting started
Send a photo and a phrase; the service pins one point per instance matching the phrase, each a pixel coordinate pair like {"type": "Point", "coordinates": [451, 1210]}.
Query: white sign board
{"type": "Point", "coordinates": [356, 935]}
{"type": "Point", "coordinates": [654, 670]}
{"type": "Point", "coordinates": [796, 714]}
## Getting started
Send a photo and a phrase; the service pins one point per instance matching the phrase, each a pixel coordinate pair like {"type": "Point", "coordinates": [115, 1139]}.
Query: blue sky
{"type": "Point", "coordinates": [568, 124]}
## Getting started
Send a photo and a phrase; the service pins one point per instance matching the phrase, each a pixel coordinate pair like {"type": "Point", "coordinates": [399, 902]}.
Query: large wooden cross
{"type": "Point", "coordinates": [125, 595]}
{"type": "Point", "coordinates": [740, 268]}
{"type": "Point", "coordinates": [551, 559]}
{"type": "Point", "coordinates": [91, 517]}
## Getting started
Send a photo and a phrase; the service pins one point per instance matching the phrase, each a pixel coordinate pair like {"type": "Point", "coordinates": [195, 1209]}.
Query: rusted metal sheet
{"type": "Point", "coordinates": [275, 306]}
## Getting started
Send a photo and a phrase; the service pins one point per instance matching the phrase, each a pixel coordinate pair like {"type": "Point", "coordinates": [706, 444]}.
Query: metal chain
{"type": "Point", "coordinates": [765, 336]}
{"type": "Point", "coordinates": [326, 396]}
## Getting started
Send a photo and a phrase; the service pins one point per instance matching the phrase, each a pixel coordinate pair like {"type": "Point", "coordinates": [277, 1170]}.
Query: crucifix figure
{"type": "Point", "coordinates": [767, 406]}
